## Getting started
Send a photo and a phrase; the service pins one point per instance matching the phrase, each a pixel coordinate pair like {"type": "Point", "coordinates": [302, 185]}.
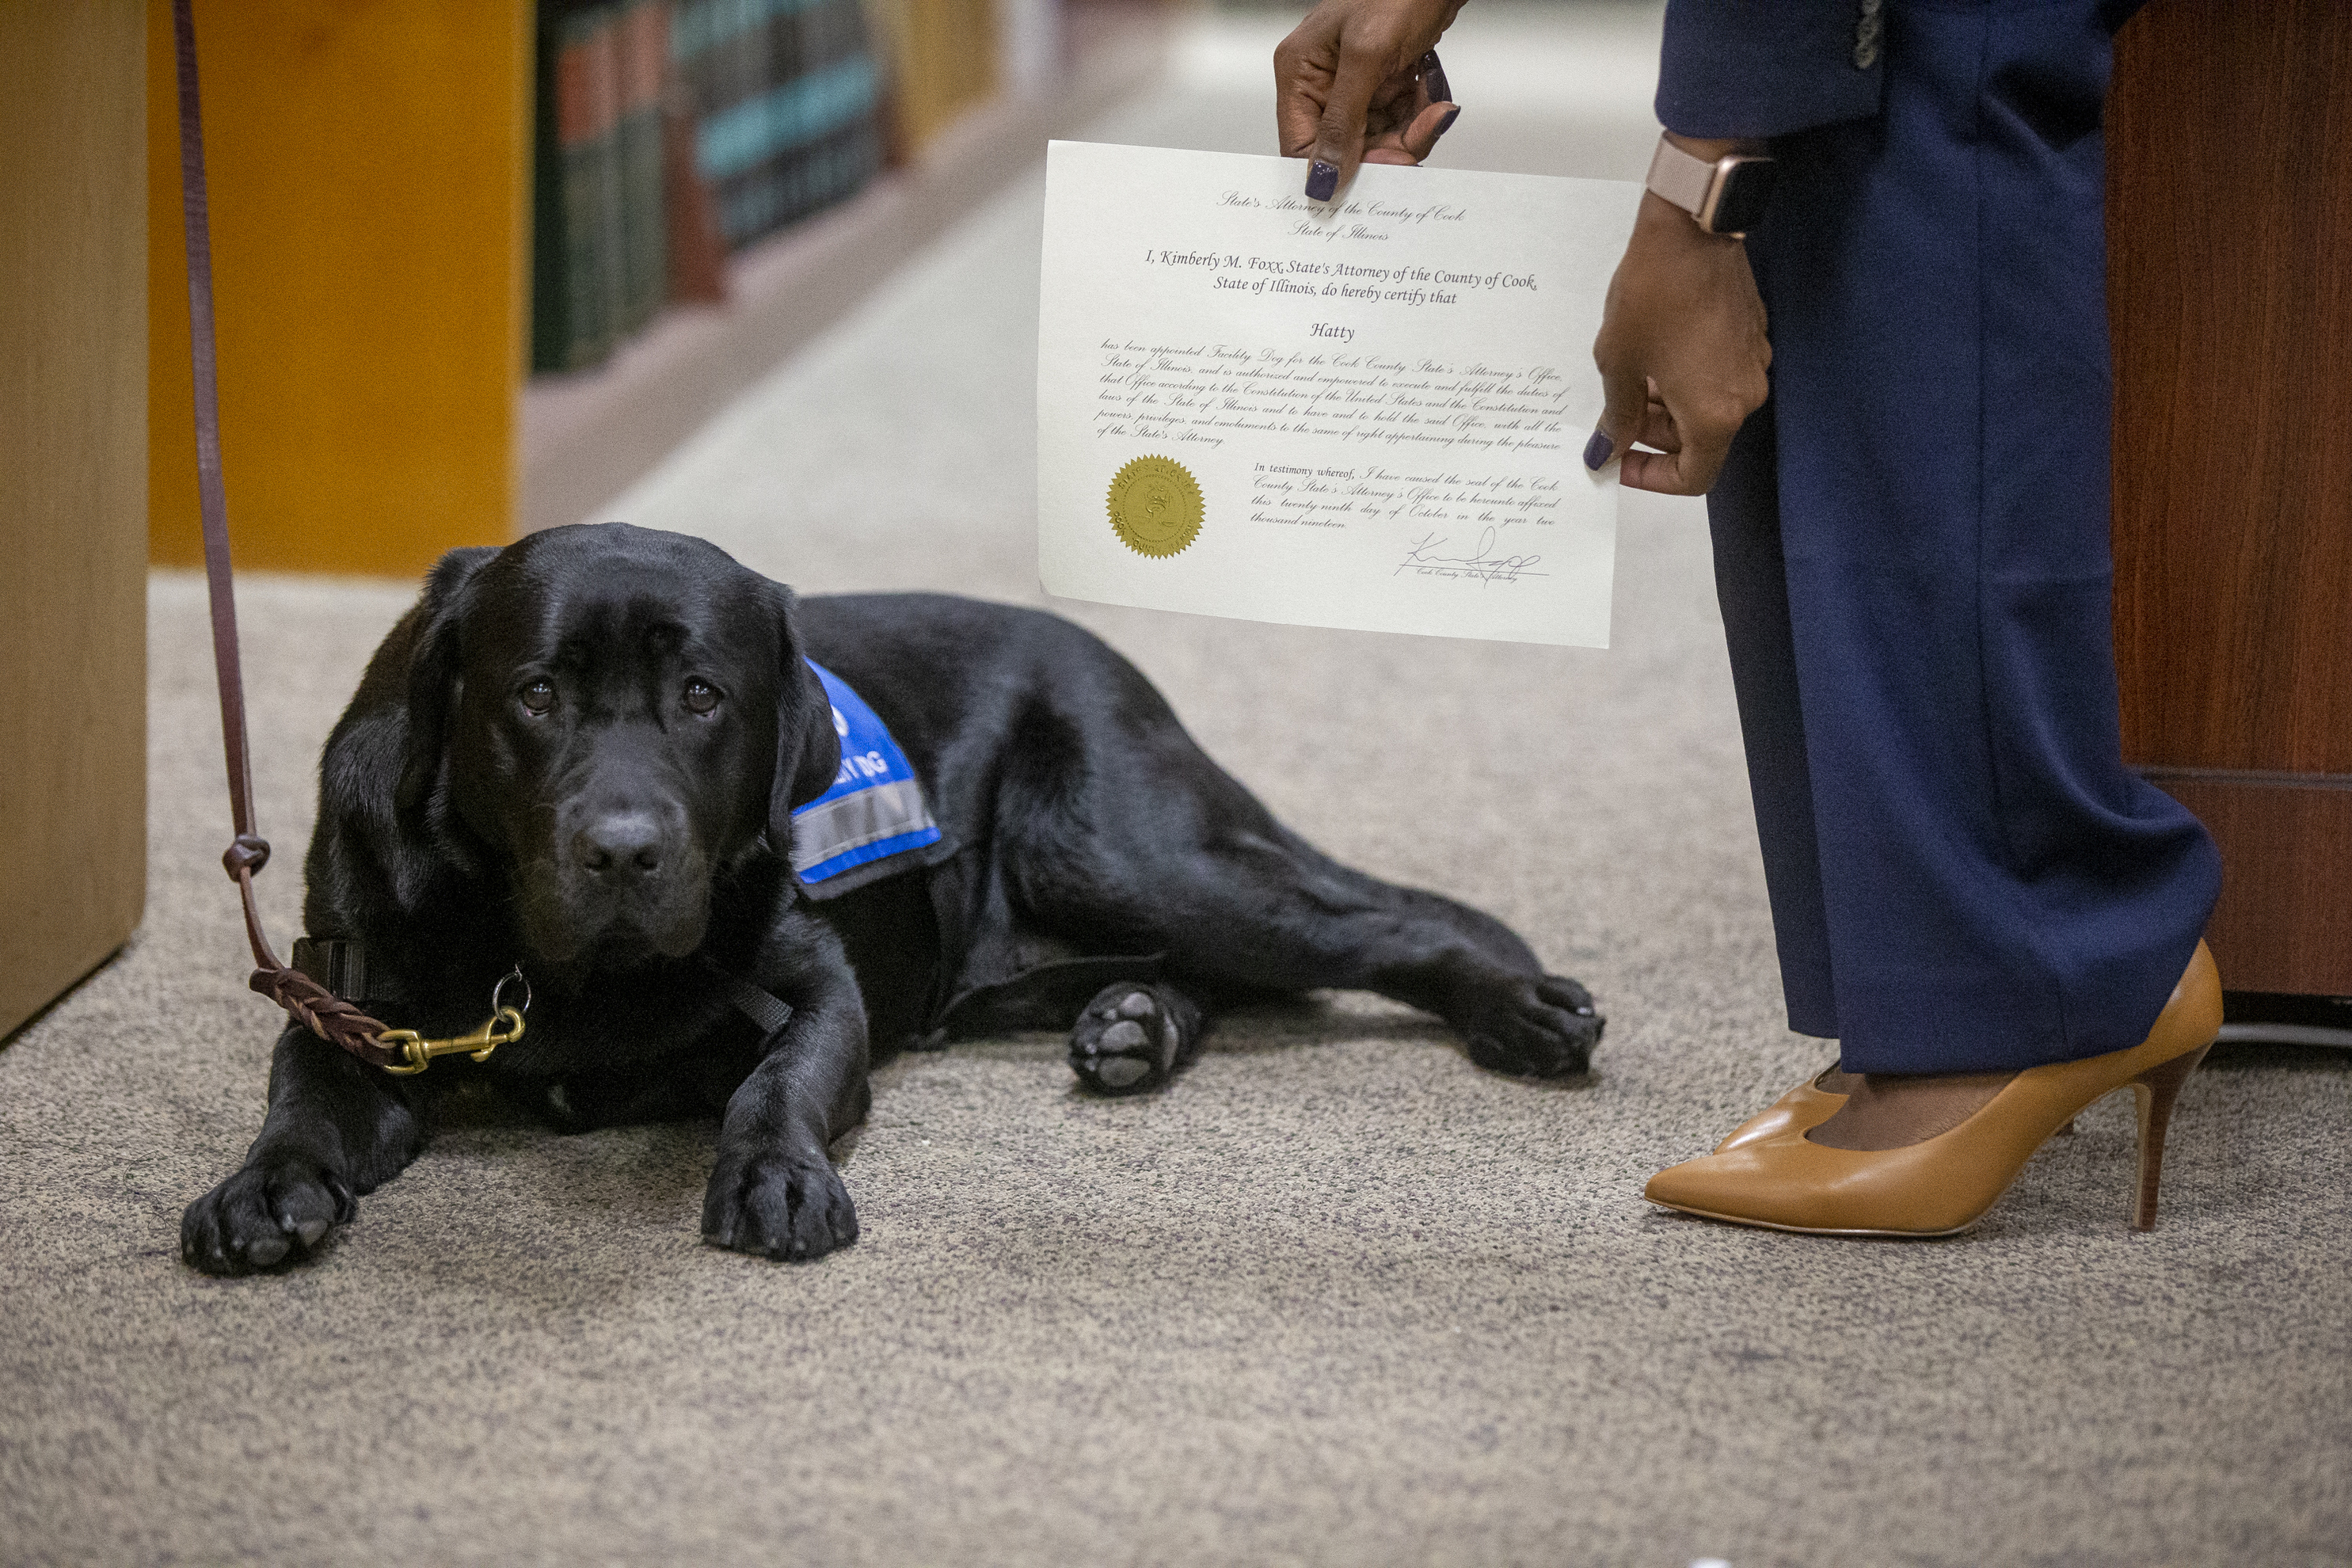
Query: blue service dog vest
{"type": "Point", "coordinates": [874, 818]}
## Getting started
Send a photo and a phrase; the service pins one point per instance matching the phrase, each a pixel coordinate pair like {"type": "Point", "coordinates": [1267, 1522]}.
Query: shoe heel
{"type": "Point", "coordinates": [2156, 1090]}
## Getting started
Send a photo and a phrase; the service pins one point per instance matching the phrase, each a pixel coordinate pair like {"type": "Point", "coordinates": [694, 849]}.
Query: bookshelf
{"type": "Point", "coordinates": [586, 438]}
{"type": "Point", "coordinates": [372, 173]}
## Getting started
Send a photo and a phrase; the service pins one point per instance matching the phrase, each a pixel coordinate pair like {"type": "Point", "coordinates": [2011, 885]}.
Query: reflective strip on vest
{"type": "Point", "coordinates": [874, 809]}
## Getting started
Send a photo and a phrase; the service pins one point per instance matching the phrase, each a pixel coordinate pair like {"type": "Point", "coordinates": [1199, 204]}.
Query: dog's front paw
{"type": "Point", "coordinates": [793, 1209]}
{"type": "Point", "coordinates": [1132, 1038]}
{"type": "Point", "coordinates": [1539, 1028]}
{"type": "Point", "coordinates": [271, 1212]}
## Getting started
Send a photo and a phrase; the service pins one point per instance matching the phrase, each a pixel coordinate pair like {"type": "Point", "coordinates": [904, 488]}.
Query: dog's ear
{"type": "Point", "coordinates": [433, 672]}
{"type": "Point", "coordinates": [808, 749]}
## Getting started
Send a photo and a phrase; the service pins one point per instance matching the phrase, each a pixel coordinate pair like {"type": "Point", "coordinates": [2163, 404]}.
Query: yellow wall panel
{"type": "Point", "coordinates": [369, 163]}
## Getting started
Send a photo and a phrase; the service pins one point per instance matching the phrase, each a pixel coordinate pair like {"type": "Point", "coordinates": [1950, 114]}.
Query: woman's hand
{"type": "Point", "coordinates": [1682, 350]}
{"type": "Point", "coordinates": [1359, 81]}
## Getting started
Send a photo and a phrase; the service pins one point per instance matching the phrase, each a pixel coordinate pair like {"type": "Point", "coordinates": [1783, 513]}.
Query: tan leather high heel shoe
{"type": "Point", "coordinates": [1944, 1184]}
{"type": "Point", "coordinates": [1803, 1108]}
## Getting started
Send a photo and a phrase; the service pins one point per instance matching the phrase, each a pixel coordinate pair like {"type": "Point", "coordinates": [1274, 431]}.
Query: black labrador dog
{"type": "Point", "coordinates": [580, 756]}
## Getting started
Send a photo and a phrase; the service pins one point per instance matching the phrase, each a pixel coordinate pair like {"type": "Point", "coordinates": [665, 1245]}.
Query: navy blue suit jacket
{"type": "Point", "coordinates": [1766, 68]}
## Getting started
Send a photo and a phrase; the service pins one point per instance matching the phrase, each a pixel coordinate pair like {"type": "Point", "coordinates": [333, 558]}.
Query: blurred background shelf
{"type": "Point", "coordinates": [399, 236]}
{"type": "Point", "coordinates": [585, 437]}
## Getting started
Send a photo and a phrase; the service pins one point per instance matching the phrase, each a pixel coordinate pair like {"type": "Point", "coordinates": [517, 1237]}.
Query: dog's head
{"type": "Point", "coordinates": [618, 715]}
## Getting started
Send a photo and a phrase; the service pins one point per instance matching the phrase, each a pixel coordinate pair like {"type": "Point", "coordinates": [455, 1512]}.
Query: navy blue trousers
{"type": "Point", "coordinates": [1911, 553]}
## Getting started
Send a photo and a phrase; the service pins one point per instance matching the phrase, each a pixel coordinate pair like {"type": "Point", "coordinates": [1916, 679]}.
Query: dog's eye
{"type": "Point", "coordinates": [700, 697]}
{"type": "Point", "coordinates": [538, 697]}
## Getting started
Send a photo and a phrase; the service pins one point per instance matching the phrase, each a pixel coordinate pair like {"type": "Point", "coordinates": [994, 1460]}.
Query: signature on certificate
{"type": "Point", "coordinates": [1422, 559]}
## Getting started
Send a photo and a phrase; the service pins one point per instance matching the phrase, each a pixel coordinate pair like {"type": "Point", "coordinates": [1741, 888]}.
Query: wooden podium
{"type": "Point", "coordinates": [2230, 287]}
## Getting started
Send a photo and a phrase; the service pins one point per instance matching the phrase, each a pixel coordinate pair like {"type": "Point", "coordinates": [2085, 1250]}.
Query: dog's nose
{"type": "Point", "coordinates": [624, 846]}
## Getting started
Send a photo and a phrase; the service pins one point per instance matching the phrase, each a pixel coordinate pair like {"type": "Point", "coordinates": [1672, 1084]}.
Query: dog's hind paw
{"type": "Point", "coordinates": [1544, 1026]}
{"type": "Point", "coordinates": [1133, 1037]}
{"type": "Point", "coordinates": [794, 1210]}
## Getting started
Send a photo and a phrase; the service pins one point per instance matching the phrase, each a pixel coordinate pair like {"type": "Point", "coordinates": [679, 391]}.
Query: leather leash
{"type": "Point", "coordinates": [326, 1016]}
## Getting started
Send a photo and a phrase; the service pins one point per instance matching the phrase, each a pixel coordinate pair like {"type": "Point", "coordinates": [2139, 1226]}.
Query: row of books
{"type": "Point", "coordinates": [600, 250]}
{"type": "Point", "coordinates": [670, 131]}
{"type": "Point", "coordinates": [784, 95]}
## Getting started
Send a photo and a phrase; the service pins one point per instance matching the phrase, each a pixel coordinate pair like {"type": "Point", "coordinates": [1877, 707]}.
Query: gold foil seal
{"type": "Point", "coordinates": [1155, 506]}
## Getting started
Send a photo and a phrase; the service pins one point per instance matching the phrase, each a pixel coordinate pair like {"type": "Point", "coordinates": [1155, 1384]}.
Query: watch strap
{"type": "Point", "coordinates": [1680, 177]}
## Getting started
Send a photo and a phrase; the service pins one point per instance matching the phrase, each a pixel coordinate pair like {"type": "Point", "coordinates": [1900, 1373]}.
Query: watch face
{"type": "Point", "coordinates": [1747, 191]}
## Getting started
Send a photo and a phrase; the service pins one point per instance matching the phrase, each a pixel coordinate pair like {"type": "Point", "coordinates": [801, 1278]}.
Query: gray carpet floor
{"type": "Point", "coordinates": [1336, 1297]}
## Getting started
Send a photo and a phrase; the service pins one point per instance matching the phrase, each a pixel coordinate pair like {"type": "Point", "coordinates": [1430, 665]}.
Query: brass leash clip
{"type": "Point", "coordinates": [503, 1027]}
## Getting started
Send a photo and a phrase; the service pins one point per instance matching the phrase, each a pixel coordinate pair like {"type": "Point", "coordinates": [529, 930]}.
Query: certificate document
{"type": "Point", "coordinates": [1369, 414]}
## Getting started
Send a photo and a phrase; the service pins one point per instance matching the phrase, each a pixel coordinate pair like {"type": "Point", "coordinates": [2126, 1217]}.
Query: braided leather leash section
{"type": "Point", "coordinates": [326, 1016]}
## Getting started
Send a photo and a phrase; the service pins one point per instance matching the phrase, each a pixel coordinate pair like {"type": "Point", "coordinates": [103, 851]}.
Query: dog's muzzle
{"type": "Point", "coordinates": [625, 876]}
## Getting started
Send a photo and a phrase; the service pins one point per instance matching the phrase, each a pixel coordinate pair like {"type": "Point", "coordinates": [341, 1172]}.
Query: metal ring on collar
{"type": "Point", "coordinates": [497, 991]}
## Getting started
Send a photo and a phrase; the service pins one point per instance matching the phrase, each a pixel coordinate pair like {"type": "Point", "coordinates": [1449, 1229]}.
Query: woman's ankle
{"type": "Point", "coordinates": [1894, 1111]}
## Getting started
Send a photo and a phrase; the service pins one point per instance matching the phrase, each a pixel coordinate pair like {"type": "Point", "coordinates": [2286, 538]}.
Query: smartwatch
{"type": "Point", "coordinates": [1725, 195]}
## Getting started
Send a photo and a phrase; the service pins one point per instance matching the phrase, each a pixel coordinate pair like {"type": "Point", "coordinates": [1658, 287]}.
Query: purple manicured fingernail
{"type": "Point", "coordinates": [1321, 180]}
{"type": "Point", "coordinates": [1597, 450]}
{"type": "Point", "coordinates": [1433, 76]}
{"type": "Point", "coordinates": [1445, 124]}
